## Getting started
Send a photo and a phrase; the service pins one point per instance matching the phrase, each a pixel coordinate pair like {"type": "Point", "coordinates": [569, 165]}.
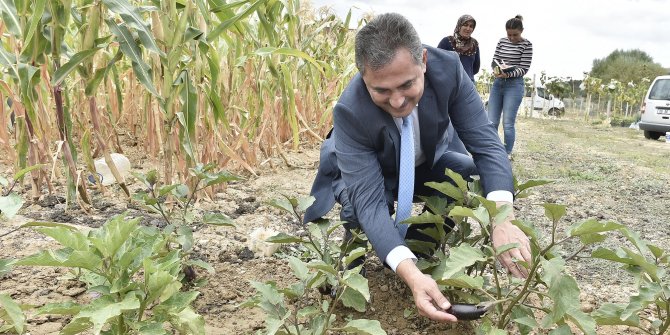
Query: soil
{"type": "Point", "coordinates": [598, 171]}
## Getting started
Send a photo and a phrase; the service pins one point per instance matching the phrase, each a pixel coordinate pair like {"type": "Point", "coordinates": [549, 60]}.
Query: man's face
{"type": "Point", "coordinates": [397, 87]}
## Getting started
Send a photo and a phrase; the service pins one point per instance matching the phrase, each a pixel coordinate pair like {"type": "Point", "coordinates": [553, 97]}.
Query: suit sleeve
{"type": "Point", "coordinates": [480, 138]}
{"type": "Point", "coordinates": [361, 172]}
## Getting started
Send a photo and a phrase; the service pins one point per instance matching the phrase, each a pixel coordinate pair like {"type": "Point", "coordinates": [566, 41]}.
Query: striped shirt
{"type": "Point", "coordinates": [519, 55]}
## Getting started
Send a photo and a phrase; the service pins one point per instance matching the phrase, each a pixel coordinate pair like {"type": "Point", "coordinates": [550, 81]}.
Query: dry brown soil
{"type": "Point", "coordinates": [599, 172]}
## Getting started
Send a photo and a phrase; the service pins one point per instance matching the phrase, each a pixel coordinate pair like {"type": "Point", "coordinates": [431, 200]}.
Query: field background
{"type": "Point", "coordinates": [599, 172]}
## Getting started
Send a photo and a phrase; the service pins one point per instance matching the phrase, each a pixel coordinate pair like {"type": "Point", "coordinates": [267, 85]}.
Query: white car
{"type": "Point", "coordinates": [655, 118]}
{"type": "Point", "coordinates": [544, 103]}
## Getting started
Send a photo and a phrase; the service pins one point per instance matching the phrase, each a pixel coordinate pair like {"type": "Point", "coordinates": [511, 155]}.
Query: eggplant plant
{"type": "Point", "coordinates": [324, 281]}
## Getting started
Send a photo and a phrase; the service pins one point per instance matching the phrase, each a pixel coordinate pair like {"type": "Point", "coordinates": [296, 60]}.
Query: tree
{"type": "Point", "coordinates": [626, 66]}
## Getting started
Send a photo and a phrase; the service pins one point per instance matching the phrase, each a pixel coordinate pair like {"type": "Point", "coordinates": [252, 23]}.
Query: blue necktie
{"type": "Point", "coordinates": [406, 178]}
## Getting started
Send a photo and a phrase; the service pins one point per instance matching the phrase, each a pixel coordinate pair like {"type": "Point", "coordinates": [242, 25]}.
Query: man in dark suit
{"type": "Point", "coordinates": [400, 78]}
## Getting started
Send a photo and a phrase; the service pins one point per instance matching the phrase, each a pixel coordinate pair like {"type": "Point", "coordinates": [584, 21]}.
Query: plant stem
{"type": "Point", "coordinates": [576, 253]}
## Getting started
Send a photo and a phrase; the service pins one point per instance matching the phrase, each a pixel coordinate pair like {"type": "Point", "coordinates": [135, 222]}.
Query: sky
{"type": "Point", "coordinates": [567, 35]}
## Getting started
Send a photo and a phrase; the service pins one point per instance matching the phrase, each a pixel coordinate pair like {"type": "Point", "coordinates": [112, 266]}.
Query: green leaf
{"type": "Point", "coordinates": [564, 292]}
{"type": "Point", "coordinates": [354, 254]}
{"type": "Point", "coordinates": [218, 219]}
{"type": "Point", "coordinates": [189, 322]}
{"type": "Point", "coordinates": [322, 266]}
{"type": "Point", "coordinates": [307, 312]}
{"type": "Point", "coordinates": [648, 295]}
{"type": "Point", "coordinates": [447, 189]}
{"type": "Point", "coordinates": [266, 51]}
{"type": "Point", "coordinates": [563, 329]}
{"type": "Point", "coordinates": [425, 217]}
{"type": "Point", "coordinates": [72, 64]}
{"type": "Point", "coordinates": [358, 283]}
{"type": "Point", "coordinates": [105, 308]}
{"type": "Point", "coordinates": [299, 268]}
{"type": "Point", "coordinates": [177, 302]}
{"type": "Point", "coordinates": [532, 183]}
{"type": "Point", "coordinates": [66, 236]}
{"type": "Point", "coordinates": [6, 266]}
{"type": "Point", "coordinates": [222, 177]}
{"type": "Point", "coordinates": [113, 234]}
{"type": "Point", "coordinates": [133, 52]}
{"type": "Point", "coordinates": [132, 18]}
{"type": "Point", "coordinates": [436, 205]}
{"type": "Point", "coordinates": [353, 299]}
{"type": "Point", "coordinates": [587, 239]}
{"type": "Point", "coordinates": [592, 226]}
{"type": "Point", "coordinates": [9, 61]}
{"type": "Point", "coordinates": [10, 205]}
{"type": "Point", "coordinates": [364, 326]}
{"type": "Point", "coordinates": [36, 17]}
{"type": "Point", "coordinates": [609, 314]}
{"type": "Point", "coordinates": [14, 312]}
{"type": "Point", "coordinates": [229, 22]}
{"type": "Point", "coordinates": [650, 268]}
{"type": "Point", "coordinates": [459, 258]}
{"type": "Point", "coordinates": [610, 255]}
{"type": "Point", "coordinates": [554, 211]}
{"type": "Point", "coordinates": [282, 204]}
{"type": "Point", "coordinates": [19, 175]}
{"type": "Point", "coordinates": [304, 203]}
{"type": "Point", "coordinates": [462, 280]}
{"type": "Point", "coordinates": [269, 292]}
{"type": "Point", "coordinates": [10, 18]}
{"type": "Point", "coordinates": [284, 238]}
{"type": "Point", "coordinates": [60, 308]}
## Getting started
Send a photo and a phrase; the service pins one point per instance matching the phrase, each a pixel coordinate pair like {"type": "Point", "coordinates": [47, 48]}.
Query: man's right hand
{"type": "Point", "coordinates": [427, 296]}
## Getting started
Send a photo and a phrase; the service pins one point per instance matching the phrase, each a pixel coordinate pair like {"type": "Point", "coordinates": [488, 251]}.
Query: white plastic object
{"type": "Point", "coordinates": [122, 164]}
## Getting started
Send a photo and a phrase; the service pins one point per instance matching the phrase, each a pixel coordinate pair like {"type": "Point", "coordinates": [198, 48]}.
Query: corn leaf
{"type": "Point", "coordinates": [132, 18]}
{"type": "Point", "coordinates": [133, 52]}
{"type": "Point", "coordinates": [36, 17]}
{"type": "Point", "coordinates": [10, 17]}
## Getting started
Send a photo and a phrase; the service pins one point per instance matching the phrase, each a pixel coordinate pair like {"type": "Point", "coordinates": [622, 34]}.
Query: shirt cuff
{"type": "Point", "coordinates": [397, 255]}
{"type": "Point", "coordinates": [505, 196]}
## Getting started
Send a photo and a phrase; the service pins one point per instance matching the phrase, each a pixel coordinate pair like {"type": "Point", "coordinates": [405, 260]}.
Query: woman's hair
{"type": "Point", "coordinates": [379, 40]}
{"type": "Point", "coordinates": [515, 23]}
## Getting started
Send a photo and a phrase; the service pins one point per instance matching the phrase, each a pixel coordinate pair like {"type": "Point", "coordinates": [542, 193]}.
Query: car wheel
{"type": "Point", "coordinates": [651, 135]}
{"type": "Point", "coordinates": [554, 112]}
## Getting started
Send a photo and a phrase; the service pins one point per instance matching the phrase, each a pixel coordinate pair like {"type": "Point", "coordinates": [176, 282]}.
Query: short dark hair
{"type": "Point", "coordinates": [379, 40]}
{"type": "Point", "coordinates": [515, 23]}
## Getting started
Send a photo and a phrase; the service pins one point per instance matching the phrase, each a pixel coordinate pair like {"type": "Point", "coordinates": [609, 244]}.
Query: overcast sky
{"type": "Point", "coordinates": [567, 35]}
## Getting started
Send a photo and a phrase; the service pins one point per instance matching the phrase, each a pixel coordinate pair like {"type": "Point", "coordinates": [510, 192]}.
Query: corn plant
{"type": "Point", "coordinates": [192, 81]}
{"type": "Point", "coordinates": [465, 263]}
{"type": "Point", "coordinates": [132, 272]}
{"type": "Point", "coordinates": [324, 282]}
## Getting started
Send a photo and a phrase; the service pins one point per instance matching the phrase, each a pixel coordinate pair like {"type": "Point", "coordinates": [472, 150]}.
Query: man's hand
{"type": "Point", "coordinates": [427, 296]}
{"type": "Point", "coordinates": [506, 233]}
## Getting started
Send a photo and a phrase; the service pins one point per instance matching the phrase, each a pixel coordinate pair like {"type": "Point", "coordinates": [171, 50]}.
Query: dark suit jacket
{"type": "Point", "coordinates": [362, 154]}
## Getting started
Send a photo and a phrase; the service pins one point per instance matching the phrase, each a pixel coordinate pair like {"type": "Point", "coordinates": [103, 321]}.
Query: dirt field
{"type": "Point", "coordinates": [599, 172]}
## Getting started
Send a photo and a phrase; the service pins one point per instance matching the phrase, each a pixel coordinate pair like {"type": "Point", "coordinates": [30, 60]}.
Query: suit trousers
{"type": "Point", "coordinates": [456, 161]}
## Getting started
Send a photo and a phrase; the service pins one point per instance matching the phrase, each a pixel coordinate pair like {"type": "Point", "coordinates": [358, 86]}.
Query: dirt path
{"type": "Point", "coordinates": [599, 172]}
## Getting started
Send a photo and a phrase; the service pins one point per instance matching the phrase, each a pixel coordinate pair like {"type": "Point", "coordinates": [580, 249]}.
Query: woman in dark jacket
{"type": "Point", "coordinates": [463, 43]}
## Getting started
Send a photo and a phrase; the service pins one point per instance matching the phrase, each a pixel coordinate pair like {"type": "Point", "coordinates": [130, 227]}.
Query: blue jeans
{"type": "Point", "coordinates": [505, 98]}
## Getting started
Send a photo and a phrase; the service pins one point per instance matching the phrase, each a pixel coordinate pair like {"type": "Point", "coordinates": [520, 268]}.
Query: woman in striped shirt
{"type": "Point", "coordinates": [511, 62]}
